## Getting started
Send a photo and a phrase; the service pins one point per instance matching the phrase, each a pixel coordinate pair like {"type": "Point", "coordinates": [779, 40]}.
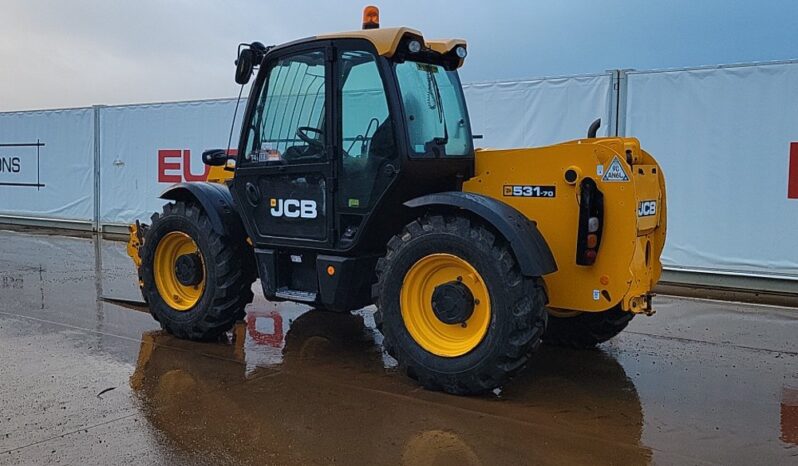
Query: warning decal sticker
{"type": "Point", "coordinates": [615, 172]}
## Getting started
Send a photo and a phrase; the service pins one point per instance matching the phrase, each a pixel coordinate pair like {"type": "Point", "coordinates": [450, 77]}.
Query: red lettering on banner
{"type": "Point", "coordinates": [792, 178]}
{"type": "Point", "coordinates": [274, 339]}
{"type": "Point", "coordinates": [180, 169]}
{"type": "Point", "coordinates": [163, 165]}
{"type": "Point", "coordinates": [187, 169]}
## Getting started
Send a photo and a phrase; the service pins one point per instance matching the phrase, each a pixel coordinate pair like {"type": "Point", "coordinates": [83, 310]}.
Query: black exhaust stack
{"type": "Point", "coordinates": [594, 127]}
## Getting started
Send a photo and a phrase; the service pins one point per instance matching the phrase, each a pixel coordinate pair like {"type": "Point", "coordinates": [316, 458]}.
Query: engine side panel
{"type": "Point", "coordinates": [533, 180]}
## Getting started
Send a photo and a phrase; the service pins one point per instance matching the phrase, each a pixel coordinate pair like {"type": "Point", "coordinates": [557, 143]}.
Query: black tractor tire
{"type": "Point", "coordinates": [228, 272]}
{"type": "Point", "coordinates": [587, 329]}
{"type": "Point", "coordinates": [518, 314]}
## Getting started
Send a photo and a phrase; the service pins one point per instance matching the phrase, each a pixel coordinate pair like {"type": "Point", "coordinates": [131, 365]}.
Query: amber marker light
{"type": "Point", "coordinates": [592, 240]}
{"type": "Point", "coordinates": [330, 270]}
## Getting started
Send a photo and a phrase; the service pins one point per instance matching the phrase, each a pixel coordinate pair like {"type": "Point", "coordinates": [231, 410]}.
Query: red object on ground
{"type": "Point", "coordinates": [789, 414]}
{"type": "Point", "coordinates": [274, 339]}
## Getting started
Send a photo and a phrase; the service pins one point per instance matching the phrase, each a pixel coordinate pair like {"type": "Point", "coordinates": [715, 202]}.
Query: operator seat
{"type": "Point", "coordinates": [382, 143]}
{"type": "Point", "coordinates": [365, 180]}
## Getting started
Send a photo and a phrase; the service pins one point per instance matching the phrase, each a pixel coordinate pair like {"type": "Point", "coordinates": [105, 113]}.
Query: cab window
{"type": "Point", "coordinates": [435, 110]}
{"type": "Point", "coordinates": [368, 143]}
{"type": "Point", "coordinates": [288, 123]}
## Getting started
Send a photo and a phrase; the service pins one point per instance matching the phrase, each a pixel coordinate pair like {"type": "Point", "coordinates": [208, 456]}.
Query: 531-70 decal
{"type": "Point", "coordinates": [527, 190]}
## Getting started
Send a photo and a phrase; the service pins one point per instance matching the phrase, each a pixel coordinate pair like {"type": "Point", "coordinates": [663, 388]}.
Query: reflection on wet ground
{"type": "Point", "coordinates": [86, 380]}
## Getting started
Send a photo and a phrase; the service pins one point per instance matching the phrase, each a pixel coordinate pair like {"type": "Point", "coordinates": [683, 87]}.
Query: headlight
{"type": "Point", "coordinates": [460, 51]}
{"type": "Point", "coordinates": [414, 46]}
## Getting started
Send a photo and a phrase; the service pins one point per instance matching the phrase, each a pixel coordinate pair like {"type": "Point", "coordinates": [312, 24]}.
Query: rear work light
{"type": "Point", "coordinates": [591, 222]}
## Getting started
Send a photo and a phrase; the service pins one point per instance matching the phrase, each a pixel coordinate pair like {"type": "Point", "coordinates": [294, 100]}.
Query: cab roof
{"type": "Point", "coordinates": [387, 40]}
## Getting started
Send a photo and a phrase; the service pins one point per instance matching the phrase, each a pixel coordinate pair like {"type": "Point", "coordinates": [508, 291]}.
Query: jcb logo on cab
{"type": "Point", "coordinates": [293, 208]}
{"type": "Point", "coordinates": [647, 208]}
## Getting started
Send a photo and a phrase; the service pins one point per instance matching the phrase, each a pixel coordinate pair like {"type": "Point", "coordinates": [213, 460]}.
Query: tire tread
{"type": "Point", "coordinates": [527, 310]}
{"type": "Point", "coordinates": [234, 277]}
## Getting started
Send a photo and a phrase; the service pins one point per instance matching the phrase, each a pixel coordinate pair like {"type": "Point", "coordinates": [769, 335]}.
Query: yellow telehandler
{"type": "Point", "coordinates": [356, 182]}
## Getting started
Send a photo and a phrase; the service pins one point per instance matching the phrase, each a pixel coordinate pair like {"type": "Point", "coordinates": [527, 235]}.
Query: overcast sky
{"type": "Point", "coordinates": [82, 52]}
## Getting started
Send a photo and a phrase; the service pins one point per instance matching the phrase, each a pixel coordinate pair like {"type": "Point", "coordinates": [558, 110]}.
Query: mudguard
{"type": "Point", "coordinates": [215, 199]}
{"type": "Point", "coordinates": [527, 243]}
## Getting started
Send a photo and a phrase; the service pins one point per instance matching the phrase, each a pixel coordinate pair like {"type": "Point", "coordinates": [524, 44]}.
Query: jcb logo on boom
{"type": "Point", "coordinates": [293, 208]}
{"type": "Point", "coordinates": [647, 208]}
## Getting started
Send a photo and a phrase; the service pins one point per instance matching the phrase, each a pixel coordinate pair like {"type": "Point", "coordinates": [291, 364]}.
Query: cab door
{"type": "Point", "coordinates": [282, 185]}
{"type": "Point", "coordinates": [368, 155]}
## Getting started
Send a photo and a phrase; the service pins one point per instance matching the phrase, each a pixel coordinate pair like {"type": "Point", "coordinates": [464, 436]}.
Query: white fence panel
{"type": "Point", "coordinates": [147, 148]}
{"type": "Point", "coordinates": [538, 112]}
{"type": "Point", "coordinates": [47, 164]}
{"type": "Point", "coordinates": [723, 138]}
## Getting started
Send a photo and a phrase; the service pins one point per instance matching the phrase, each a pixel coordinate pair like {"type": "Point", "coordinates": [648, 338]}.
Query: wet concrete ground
{"type": "Point", "coordinates": [88, 381]}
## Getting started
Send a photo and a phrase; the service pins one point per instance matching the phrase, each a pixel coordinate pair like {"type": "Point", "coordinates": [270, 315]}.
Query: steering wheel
{"type": "Point", "coordinates": [302, 133]}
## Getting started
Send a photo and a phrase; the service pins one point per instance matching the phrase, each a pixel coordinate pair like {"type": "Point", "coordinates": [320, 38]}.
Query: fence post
{"type": "Point", "coordinates": [97, 151]}
{"type": "Point", "coordinates": [623, 87]}
{"type": "Point", "coordinates": [617, 123]}
{"type": "Point", "coordinates": [612, 124]}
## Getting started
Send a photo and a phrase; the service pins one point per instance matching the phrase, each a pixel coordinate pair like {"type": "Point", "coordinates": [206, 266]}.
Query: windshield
{"type": "Point", "coordinates": [435, 110]}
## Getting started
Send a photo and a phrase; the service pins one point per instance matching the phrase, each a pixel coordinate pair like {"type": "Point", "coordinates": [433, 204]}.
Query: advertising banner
{"type": "Point", "coordinates": [47, 164]}
{"type": "Point", "coordinates": [724, 137]}
{"type": "Point", "coordinates": [147, 148]}
{"type": "Point", "coordinates": [538, 112]}
{"type": "Point", "coordinates": [727, 138]}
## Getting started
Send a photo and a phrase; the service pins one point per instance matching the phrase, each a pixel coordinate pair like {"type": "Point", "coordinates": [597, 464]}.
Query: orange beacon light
{"type": "Point", "coordinates": [371, 17]}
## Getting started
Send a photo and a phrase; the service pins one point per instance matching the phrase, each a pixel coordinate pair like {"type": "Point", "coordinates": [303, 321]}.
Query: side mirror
{"type": "Point", "coordinates": [244, 65]}
{"type": "Point", "coordinates": [215, 157]}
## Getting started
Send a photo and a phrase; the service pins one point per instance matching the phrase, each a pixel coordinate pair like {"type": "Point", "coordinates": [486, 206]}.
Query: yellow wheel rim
{"type": "Point", "coordinates": [435, 336]}
{"type": "Point", "coordinates": [176, 295]}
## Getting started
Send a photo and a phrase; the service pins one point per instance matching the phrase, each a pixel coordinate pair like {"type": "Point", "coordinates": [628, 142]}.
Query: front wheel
{"type": "Point", "coordinates": [196, 282]}
{"type": "Point", "coordinates": [454, 309]}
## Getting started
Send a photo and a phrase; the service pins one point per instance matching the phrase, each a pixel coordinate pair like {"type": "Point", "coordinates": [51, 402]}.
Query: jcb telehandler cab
{"type": "Point", "coordinates": [356, 182]}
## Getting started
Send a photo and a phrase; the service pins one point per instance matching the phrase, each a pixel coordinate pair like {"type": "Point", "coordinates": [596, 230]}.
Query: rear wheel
{"type": "Point", "coordinates": [196, 282]}
{"type": "Point", "coordinates": [585, 330]}
{"type": "Point", "coordinates": [454, 308]}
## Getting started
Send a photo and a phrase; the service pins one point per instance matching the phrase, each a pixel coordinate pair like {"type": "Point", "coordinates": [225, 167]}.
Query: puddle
{"type": "Point", "coordinates": [699, 382]}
